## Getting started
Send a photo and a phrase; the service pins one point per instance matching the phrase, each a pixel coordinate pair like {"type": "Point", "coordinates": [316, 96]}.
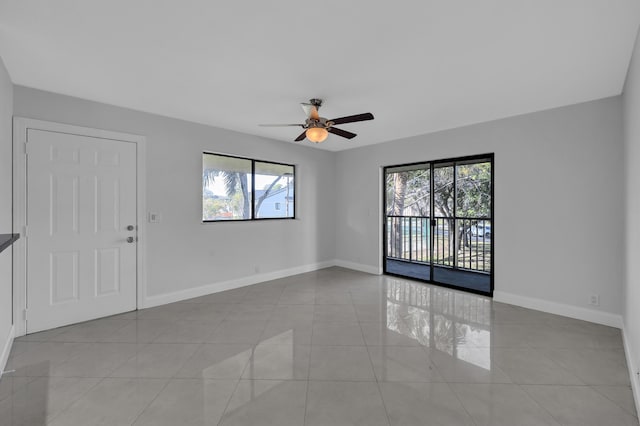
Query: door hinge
{"type": "Point", "coordinates": [24, 314]}
{"type": "Point", "coordinates": [24, 231]}
{"type": "Point", "coordinates": [25, 148]}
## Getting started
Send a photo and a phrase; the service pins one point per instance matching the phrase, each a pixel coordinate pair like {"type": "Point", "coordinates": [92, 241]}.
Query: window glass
{"type": "Point", "coordinates": [226, 188]}
{"type": "Point", "coordinates": [473, 190]}
{"type": "Point", "coordinates": [274, 195]}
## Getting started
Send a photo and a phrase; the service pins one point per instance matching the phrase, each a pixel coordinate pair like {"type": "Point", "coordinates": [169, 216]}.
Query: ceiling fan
{"type": "Point", "coordinates": [318, 128]}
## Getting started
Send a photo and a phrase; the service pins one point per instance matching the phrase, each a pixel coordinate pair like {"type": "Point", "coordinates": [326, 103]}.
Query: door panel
{"type": "Point", "coordinates": [81, 196]}
{"type": "Point", "coordinates": [63, 277]}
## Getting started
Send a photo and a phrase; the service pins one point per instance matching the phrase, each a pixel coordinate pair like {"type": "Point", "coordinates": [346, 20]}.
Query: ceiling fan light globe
{"type": "Point", "coordinates": [317, 134]}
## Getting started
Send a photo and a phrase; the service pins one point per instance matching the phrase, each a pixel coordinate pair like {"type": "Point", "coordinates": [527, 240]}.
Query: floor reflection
{"type": "Point", "coordinates": [446, 320]}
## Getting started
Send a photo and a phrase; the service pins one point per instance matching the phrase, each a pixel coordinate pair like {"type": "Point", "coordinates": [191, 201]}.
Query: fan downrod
{"type": "Point", "coordinates": [316, 102]}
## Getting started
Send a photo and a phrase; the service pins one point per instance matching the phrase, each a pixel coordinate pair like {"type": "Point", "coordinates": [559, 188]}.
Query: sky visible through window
{"type": "Point", "coordinates": [218, 188]}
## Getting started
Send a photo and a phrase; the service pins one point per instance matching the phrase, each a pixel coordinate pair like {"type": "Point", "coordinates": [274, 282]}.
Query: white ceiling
{"type": "Point", "coordinates": [418, 66]}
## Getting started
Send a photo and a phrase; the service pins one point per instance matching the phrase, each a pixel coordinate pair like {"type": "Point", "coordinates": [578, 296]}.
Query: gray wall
{"type": "Point", "coordinates": [557, 184]}
{"type": "Point", "coordinates": [183, 253]}
{"type": "Point", "coordinates": [558, 206]}
{"type": "Point", "coordinates": [6, 202]}
{"type": "Point", "coordinates": [632, 158]}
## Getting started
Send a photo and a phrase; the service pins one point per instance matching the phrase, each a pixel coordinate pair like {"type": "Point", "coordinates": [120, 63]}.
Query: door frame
{"type": "Point", "coordinates": [20, 127]}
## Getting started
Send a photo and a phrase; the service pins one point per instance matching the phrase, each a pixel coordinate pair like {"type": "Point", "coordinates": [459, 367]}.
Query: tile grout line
{"type": "Point", "coordinates": [76, 400]}
{"type": "Point", "coordinates": [619, 405]}
{"type": "Point", "coordinates": [521, 387]}
{"type": "Point", "coordinates": [151, 402]}
{"type": "Point", "coordinates": [226, 406]}
{"type": "Point", "coordinates": [460, 401]}
{"type": "Point", "coordinates": [306, 396]}
{"type": "Point", "coordinates": [375, 376]}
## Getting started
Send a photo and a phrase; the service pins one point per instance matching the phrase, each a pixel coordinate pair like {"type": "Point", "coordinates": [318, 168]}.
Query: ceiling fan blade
{"type": "Point", "coordinates": [301, 137]}
{"type": "Point", "coordinates": [310, 110]}
{"type": "Point", "coordinates": [280, 125]}
{"type": "Point", "coordinates": [341, 132]}
{"type": "Point", "coordinates": [353, 118]}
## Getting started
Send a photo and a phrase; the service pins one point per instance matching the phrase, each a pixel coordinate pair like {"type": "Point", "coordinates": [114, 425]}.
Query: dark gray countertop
{"type": "Point", "coordinates": [7, 239]}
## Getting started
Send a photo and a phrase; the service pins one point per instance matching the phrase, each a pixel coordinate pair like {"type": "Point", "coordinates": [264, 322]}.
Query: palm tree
{"type": "Point", "coordinates": [232, 180]}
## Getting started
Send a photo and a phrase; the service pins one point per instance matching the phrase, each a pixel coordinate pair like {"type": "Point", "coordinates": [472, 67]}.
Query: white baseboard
{"type": "Point", "coordinates": [6, 350]}
{"type": "Point", "coordinates": [176, 296]}
{"type": "Point", "coordinates": [598, 317]}
{"type": "Point", "coordinates": [375, 270]}
{"type": "Point", "coordinates": [633, 368]}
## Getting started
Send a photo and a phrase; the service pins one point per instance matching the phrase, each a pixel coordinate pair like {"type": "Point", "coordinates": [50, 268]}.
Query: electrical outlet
{"type": "Point", "coordinates": [594, 300]}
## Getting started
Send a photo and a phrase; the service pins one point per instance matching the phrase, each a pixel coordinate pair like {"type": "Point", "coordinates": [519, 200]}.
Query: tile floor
{"type": "Point", "coordinates": [332, 347]}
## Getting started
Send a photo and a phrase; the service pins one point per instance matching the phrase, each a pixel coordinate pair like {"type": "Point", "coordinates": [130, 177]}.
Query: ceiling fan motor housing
{"type": "Point", "coordinates": [320, 122]}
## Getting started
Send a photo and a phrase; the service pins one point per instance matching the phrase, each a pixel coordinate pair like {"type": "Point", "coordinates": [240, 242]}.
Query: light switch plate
{"type": "Point", "coordinates": [154, 217]}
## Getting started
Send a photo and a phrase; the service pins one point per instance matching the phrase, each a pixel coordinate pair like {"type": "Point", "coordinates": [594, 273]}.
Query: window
{"type": "Point", "coordinates": [235, 188]}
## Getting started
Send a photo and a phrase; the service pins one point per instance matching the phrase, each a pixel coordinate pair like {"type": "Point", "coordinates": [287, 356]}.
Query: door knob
{"type": "Point", "coordinates": [130, 228]}
{"type": "Point", "coordinates": [130, 239]}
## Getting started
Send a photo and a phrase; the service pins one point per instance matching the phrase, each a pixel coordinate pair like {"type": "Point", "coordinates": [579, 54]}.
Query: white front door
{"type": "Point", "coordinates": [81, 222]}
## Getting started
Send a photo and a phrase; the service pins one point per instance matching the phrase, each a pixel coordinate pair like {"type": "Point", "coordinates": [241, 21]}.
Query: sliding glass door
{"type": "Point", "coordinates": [438, 223]}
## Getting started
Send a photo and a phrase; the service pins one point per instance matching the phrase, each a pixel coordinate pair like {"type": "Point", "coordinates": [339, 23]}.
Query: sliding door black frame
{"type": "Point", "coordinates": [432, 165]}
